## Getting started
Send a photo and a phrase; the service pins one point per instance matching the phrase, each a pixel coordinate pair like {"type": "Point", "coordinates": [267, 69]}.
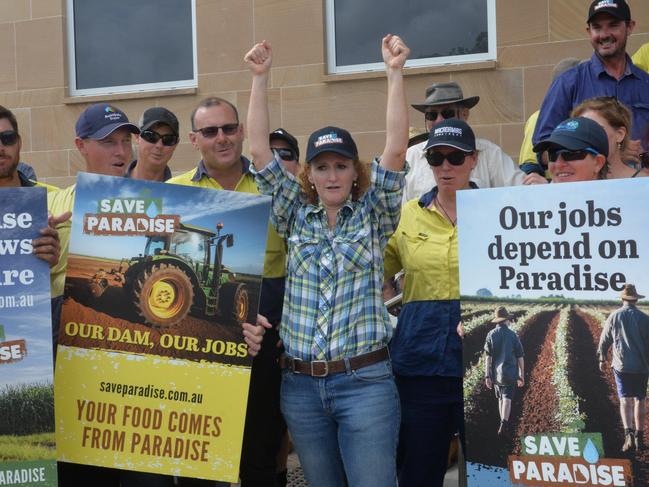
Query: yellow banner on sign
{"type": "Point", "coordinates": [171, 416]}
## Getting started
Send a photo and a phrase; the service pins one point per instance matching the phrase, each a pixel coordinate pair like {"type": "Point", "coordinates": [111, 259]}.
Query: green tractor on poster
{"type": "Point", "coordinates": [178, 273]}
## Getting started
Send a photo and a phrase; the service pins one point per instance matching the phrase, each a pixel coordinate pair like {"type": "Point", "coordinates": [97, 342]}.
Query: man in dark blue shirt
{"type": "Point", "coordinates": [609, 72]}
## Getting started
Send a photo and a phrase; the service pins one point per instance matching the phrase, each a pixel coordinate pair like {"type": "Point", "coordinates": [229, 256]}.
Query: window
{"type": "Point", "coordinates": [124, 46]}
{"type": "Point", "coordinates": [437, 32]}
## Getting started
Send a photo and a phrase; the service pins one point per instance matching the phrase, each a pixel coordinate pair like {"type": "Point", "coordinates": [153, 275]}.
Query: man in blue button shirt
{"type": "Point", "coordinates": [609, 72]}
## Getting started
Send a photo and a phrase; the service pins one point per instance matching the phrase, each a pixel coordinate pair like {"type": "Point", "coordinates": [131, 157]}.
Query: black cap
{"type": "Point", "coordinates": [576, 134]}
{"type": "Point", "coordinates": [617, 8]}
{"type": "Point", "coordinates": [331, 139]}
{"type": "Point", "coordinates": [154, 115]}
{"type": "Point", "coordinates": [100, 120]}
{"type": "Point", "coordinates": [286, 137]}
{"type": "Point", "coordinates": [452, 132]}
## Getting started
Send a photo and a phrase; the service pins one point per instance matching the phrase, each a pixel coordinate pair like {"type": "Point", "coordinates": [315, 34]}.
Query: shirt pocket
{"type": "Point", "coordinates": [418, 250]}
{"type": "Point", "coordinates": [354, 252]}
{"type": "Point", "coordinates": [302, 251]}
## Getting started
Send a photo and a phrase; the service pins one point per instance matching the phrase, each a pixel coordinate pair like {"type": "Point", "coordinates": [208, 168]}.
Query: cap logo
{"type": "Point", "coordinates": [330, 138]}
{"type": "Point", "coordinates": [569, 126]}
{"type": "Point", "coordinates": [455, 131]}
{"type": "Point", "coordinates": [111, 114]}
{"type": "Point", "coordinates": [605, 3]}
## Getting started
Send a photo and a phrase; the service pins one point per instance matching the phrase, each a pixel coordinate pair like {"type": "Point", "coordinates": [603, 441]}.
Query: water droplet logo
{"type": "Point", "coordinates": [591, 455]}
{"type": "Point", "coordinates": [152, 210]}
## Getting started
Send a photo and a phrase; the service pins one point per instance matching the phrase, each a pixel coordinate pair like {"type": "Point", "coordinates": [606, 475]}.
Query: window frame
{"type": "Point", "coordinates": [73, 91]}
{"type": "Point", "coordinates": [332, 69]}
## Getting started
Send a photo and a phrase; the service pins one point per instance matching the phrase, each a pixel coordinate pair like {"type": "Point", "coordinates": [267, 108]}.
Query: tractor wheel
{"type": "Point", "coordinates": [163, 295]}
{"type": "Point", "coordinates": [234, 302]}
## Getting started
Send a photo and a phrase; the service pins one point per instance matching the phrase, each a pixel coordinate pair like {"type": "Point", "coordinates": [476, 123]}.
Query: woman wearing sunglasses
{"type": "Point", "coordinates": [155, 145]}
{"type": "Point", "coordinates": [426, 349]}
{"type": "Point", "coordinates": [338, 394]}
{"type": "Point", "coordinates": [577, 151]}
{"type": "Point", "coordinates": [615, 119]}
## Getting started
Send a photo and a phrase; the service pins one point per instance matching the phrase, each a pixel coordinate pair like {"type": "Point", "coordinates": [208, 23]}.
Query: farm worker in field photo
{"type": "Point", "coordinates": [426, 348]}
{"type": "Point", "coordinates": [626, 331]}
{"type": "Point", "coordinates": [504, 365]}
{"type": "Point", "coordinates": [338, 394]}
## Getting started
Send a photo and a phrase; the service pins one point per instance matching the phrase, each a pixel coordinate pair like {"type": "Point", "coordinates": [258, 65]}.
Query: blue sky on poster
{"type": "Point", "coordinates": [245, 215]}
{"type": "Point", "coordinates": [31, 324]}
{"type": "Point", "coordinates": [478, 217]}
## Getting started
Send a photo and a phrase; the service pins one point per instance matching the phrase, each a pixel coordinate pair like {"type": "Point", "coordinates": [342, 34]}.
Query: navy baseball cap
{"type": "Point", "coordinates": [576, 134]}
{"type": "Point", "coordinates": [154, 115]}
{"type": "Point", "coordinates": [452, 132]}
{"type": "Point", "coordinates": [286, 137]}
{"type": "Point", "coordinates": [617, 8]}
{"type": "Point", "coordinates": [100, 120]}
{"type": "Point", "coordinates": [331, 139]}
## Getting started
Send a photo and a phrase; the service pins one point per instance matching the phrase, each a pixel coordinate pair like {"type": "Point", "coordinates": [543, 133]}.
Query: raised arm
{"type": "Point", "coordinates": [259, 60]}
{"type": "Point", "coordinates": [395, 53]}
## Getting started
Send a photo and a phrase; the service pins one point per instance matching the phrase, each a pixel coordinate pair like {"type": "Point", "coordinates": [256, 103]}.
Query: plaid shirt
{"type": "Point", "coordinates": [333, 305]}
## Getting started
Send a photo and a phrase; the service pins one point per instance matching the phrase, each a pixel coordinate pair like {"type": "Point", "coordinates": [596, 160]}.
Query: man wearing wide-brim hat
{"type": "Point", "coordinates": [494, 168]}
{"type": "Point", "coordinates": [504, 364]}
{"type": "Point", "coordinates": [627, 330]}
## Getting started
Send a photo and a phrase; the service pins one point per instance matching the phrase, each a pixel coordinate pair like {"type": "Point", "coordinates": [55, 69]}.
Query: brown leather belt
{"type": "Point", "coordinates": [322, 368]}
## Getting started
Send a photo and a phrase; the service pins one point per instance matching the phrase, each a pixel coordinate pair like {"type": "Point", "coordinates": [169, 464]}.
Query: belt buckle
{"type": "Point", "coordinates": [326, 368]}
{"type": "Point", "coordinates": [293, 366]}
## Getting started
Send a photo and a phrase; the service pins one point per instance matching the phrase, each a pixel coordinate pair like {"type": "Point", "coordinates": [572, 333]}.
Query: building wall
{"type": "Point", "coordinates": [532, 36]}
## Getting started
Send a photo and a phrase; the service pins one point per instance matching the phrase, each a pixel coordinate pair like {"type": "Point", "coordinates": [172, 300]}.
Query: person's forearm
{"type": "Point", "coordinates": [259, 121]}
{"type": "Point", "coordinates": [487, 367]}
{"type": "Point", "coordinates": [396, 122]}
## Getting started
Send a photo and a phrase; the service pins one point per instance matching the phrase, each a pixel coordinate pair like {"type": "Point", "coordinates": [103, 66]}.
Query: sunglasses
{"type": "Point", "coordinates": [446, 113]}
{"type": "Point", "coordinates": [211, 132]}
{"type": "Point", "coordinates": [570, 155]}
{"type": "Point", "coordinates": [285, 154]}
{"type": "Point", "coordinates": [153, 137]}
{"type": "Point", "coordinates": [9, 137]}
{"type": "Point", "coordinates": [455, 158]}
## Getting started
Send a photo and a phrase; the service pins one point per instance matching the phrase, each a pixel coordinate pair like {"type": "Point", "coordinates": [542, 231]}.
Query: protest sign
{"type": "Point", "coordinates": [152, 371]}
{"type": "Point", "coordinates": [557, 257]}
{"type": "Point", "coordinates": [27, 448]}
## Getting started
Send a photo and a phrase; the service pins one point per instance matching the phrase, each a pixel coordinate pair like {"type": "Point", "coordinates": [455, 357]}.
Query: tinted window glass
{"type": "Point", "coordinates": [431, 28]}
{"type": "Point", "coordinates": [126, 42]}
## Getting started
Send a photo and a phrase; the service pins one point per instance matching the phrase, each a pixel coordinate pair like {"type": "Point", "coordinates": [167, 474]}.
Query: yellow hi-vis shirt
{"type": "Point", "coordinates": [59, 202]}
{"type": "Point", "coordinates": [424, 245]}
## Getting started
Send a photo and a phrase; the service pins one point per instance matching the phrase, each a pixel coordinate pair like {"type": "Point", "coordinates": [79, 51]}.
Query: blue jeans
{"type": "Point", "coordinates": [345, 426]}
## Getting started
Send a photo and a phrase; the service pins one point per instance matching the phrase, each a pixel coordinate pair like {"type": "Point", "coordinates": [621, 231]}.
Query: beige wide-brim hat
{"type": "Point", "coordinates": [501, 314]}
{"type": "Point", "coordinates": [629, 293]}
{"type": "Point", "coordinates": [445, 94]}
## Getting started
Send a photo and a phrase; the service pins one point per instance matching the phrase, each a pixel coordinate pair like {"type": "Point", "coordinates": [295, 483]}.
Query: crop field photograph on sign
{"type": "Point", "coordinates": [547, 276]}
